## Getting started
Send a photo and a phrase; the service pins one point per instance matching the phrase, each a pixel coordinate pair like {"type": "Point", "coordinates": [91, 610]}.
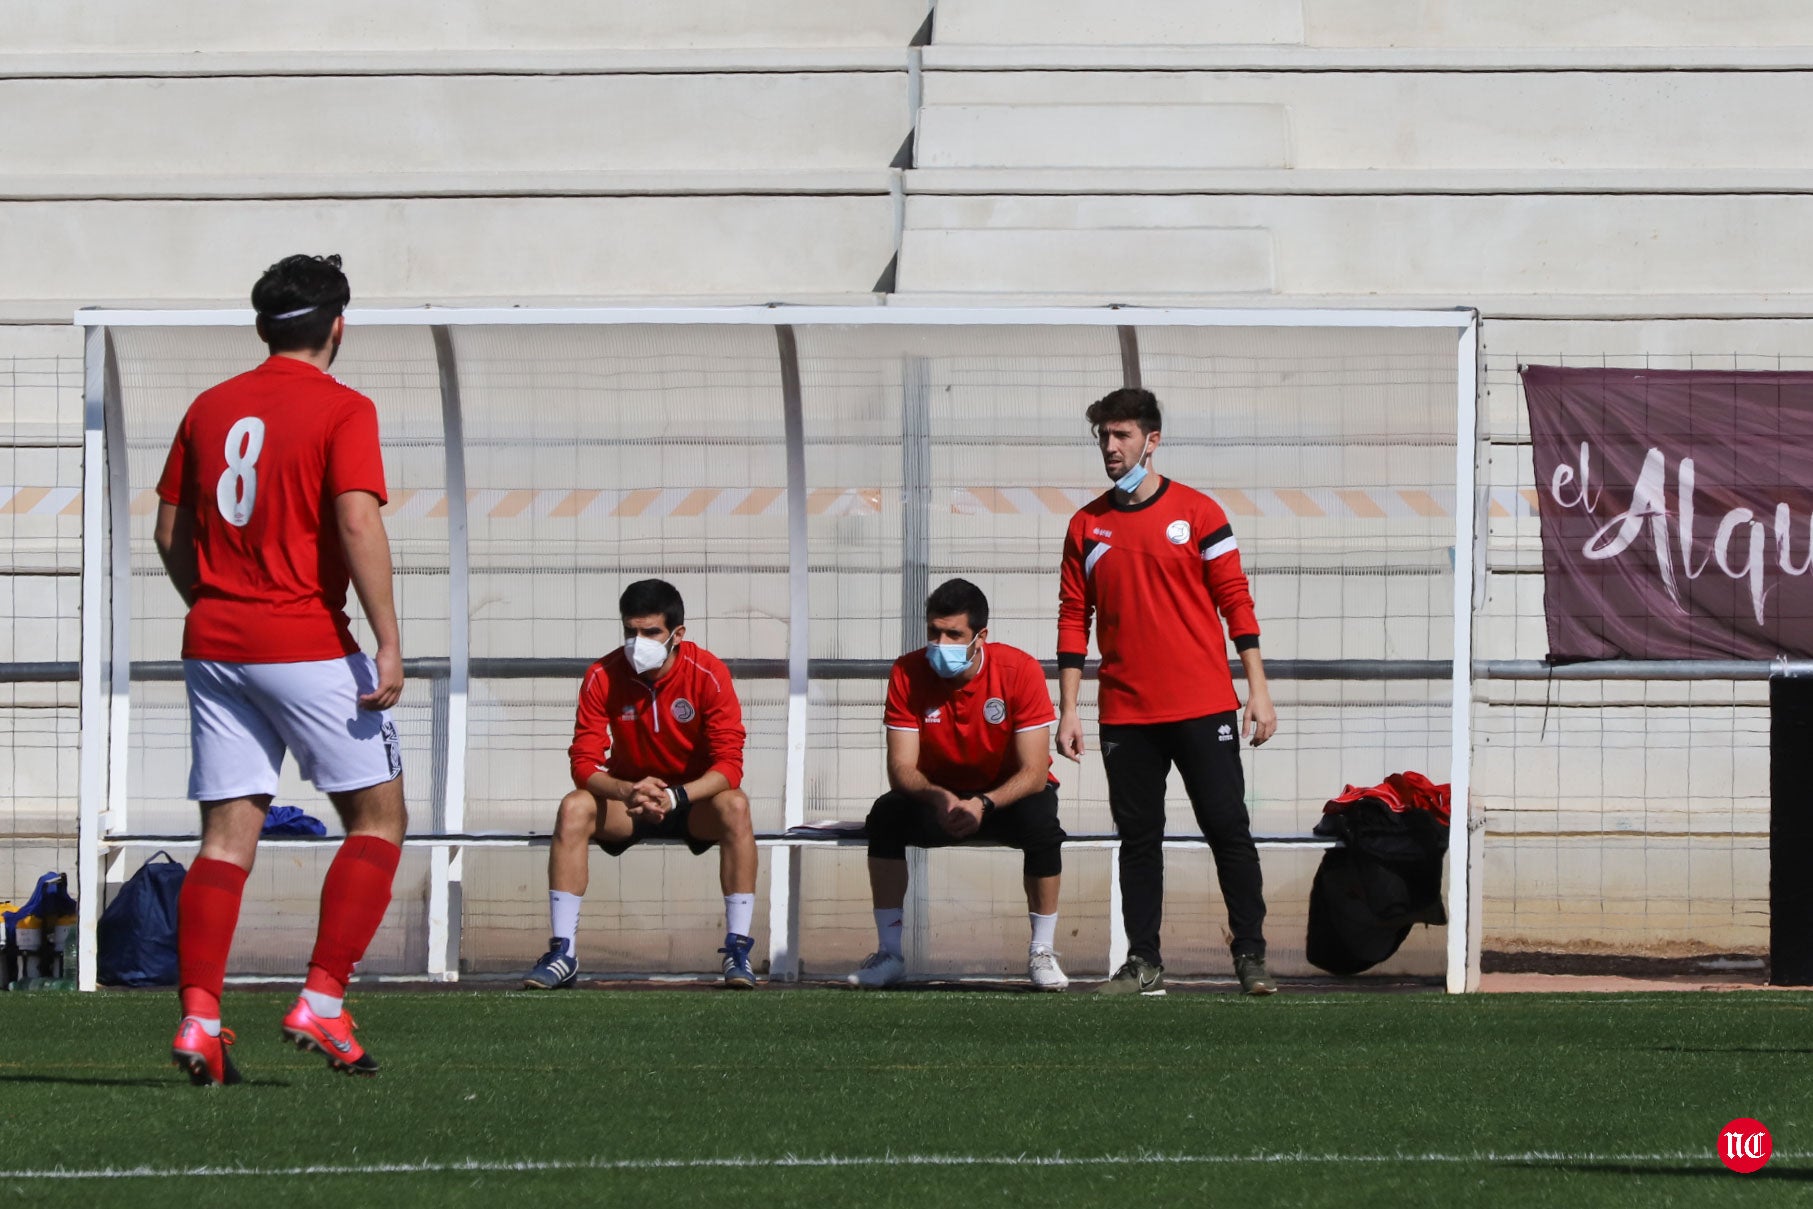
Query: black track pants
{"type": "Point", "coordinates": [1206, 752]}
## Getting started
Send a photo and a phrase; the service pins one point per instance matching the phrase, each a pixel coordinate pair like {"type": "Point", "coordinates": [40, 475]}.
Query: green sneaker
{"type": "Point", "coordinates": [1254, 979]}
{"type": "Point", "coordinates": [1137, 976]}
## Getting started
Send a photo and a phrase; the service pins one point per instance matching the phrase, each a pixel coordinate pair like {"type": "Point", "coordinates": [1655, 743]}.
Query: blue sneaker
{"type": "Point", "coordinates": [559, 968]}
{"type": "Point", "coordinates": [737, 974]}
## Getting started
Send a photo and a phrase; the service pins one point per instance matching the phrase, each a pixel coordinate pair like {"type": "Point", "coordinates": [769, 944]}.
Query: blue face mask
{"type": "Point", "coordinates": [1130, 481]}
{"type": "Point", "coordinates": [948, 660]}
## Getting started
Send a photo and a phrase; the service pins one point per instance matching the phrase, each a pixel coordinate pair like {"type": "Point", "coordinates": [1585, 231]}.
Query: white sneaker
{"type": "Point", "coordinates": [1042, 967]}
{"type": "Point", "coordinates": [878, 970]}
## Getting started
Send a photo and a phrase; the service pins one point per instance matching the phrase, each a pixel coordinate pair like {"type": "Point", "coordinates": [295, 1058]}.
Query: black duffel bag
{"type": "Point", "coordinates": [1383, 881]}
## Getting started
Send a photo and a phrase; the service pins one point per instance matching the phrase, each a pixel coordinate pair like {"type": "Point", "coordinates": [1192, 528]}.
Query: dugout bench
{"type": "Point", "coordinates": [796, 838]}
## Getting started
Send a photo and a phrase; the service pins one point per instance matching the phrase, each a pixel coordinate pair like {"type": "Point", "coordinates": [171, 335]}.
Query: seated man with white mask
{"type": "Point", "coordinates": [657, 753]}
{"type": "Point", "coordinates": [969, 758]}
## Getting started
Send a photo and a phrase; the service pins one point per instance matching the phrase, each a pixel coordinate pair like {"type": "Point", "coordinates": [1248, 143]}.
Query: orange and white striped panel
{"type": "Point", "coordinates": [1306, 503]}
{"type": "Point", "coordinates": [1311, 503]}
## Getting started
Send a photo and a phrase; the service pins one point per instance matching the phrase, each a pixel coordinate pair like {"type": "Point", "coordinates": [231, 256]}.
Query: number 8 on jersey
{"type": "Point", "coordinates": [237, 491]}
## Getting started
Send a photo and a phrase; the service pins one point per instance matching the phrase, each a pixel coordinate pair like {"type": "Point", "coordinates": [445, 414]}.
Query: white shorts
{"type": "Point", "coordinates": [242, 716]}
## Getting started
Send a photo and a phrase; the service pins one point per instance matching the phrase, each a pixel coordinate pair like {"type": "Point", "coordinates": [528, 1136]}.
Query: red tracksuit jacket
{"type": "Point", "coordinates": [1157, 579]}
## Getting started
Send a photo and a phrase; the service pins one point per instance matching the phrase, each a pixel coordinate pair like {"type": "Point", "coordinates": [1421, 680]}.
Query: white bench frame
{"type": "Point", "coordinates": [1087, 842]}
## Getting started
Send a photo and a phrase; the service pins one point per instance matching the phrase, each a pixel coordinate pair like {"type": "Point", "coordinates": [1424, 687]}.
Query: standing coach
{"type": "Point", "coordinates": [1154, 563]}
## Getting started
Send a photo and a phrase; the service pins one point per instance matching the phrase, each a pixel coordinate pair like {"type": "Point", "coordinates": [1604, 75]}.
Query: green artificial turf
{"type": "Point", "coordinates": [1298, 1100]}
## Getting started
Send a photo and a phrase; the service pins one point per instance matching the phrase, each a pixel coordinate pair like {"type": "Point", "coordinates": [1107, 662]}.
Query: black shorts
{"type": "Point", "coordinates": [899, 821]}
{"type": "Point", "coordinates": [671, 827]}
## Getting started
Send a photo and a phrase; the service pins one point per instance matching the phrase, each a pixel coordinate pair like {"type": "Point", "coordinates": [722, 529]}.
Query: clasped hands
{"type": "Point", "coordinates": [960, 817]}
{"type": "Point", "coordinates": [648, 800]}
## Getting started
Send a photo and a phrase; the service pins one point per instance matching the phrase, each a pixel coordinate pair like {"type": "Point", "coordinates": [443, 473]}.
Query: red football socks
{"type": "Point", "coordinates": [207, 912]}
{"type": "Point", "coordinates": [353, 900]}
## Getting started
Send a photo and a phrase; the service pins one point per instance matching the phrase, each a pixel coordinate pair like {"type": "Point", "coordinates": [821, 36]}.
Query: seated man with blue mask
{"type": "Point", "coordinates": [969, 758]}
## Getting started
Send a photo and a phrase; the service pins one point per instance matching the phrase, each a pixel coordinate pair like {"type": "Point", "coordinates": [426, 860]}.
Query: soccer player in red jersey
{"type": "Point", "coordinates": [657, 754]}
{"type": "Point", "coordinates": [1156, 566]}
{"type": "Point", "coordinates": [269, 506]}
{"type": "Point", "coordinates": [969, 758]}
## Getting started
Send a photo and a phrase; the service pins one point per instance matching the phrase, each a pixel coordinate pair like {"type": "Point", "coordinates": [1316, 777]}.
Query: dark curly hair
{"type": "Point", "coordinates": [312, 285]}
{"type": "Point", "coordinates": [1127, 403]}
{"type": "Point", "coordinates": [646, 597]}
{"type": "Point", "coordinates": [955, 596]}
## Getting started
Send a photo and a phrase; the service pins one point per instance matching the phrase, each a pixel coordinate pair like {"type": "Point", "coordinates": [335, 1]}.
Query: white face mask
{"type": "Point", "coordinates": [645, 654]}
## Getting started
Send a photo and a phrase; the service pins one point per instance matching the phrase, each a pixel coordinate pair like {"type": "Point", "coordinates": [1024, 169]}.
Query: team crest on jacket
{"type": "Point", "coordinates": [1177, 532]}
{"type": "Point", "coordinates": [683, 710]}
{"type": "Point", "coordinates": [995, 710]}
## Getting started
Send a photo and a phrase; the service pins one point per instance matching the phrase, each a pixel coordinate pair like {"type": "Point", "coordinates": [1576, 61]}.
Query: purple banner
{"type": "Point", "coordinates": [1677, 512]}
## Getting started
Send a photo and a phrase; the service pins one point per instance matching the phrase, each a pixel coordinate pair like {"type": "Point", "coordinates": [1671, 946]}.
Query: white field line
{"type": "Point", "coordinates": [507, 1166]}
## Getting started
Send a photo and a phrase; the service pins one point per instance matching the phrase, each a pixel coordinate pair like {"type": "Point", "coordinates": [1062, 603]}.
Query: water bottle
{"type": "Point", "coordinates": [60, 935]}
{"type": "Point", "coordinates": [28, 934]}
{"type": "Point", "coordinates": [9, 952]}
{"type": "Point", "coordinates": [72, 962]}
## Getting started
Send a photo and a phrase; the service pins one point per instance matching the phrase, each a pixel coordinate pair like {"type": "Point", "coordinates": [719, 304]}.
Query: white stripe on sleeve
{"type": "Point", "coordinates": [1226, 545]}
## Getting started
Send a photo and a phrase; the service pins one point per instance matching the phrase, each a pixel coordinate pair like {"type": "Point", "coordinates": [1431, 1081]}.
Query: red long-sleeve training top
{"type": "Point", "coordinates": [1157, 578]}
{"type": "Point", "coordinates": [687, 723]}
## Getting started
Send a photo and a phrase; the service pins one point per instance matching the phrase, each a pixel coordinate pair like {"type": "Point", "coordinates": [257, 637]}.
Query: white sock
{"type": "Point", "coordinates": [323, 1005]}
{"type": "Point", "coordinates": [563, 917]}
{"type": "Point", "coordinates": [739, 912]}
{"type": "Point", "coordinates": [1044, 930]}
{"type": "Point", "coordinates": [888, 926]}
{"type": "Point", "coordinates": [210, 1027]}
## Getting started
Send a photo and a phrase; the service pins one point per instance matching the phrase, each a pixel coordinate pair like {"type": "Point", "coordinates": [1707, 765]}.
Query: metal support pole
{"type": "Point", "coordinates": [447, 862]}
{"type": "Point", "coordinates": [1130, 375]}
{"type": "Point", "coordinates": [119, 529]}
{"type": "Point", "coordinates": [915, 584]}
{"type": "Point", "coordinates": [92, 785]}
{"type": "Point", "coordinates": [1465, 834]}
{"type": "Point", "coordinates": [783, 863]}
{"type": "Point", "coordinates": [1117, 924]}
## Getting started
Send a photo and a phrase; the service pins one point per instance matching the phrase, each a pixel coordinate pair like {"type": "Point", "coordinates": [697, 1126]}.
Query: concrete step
{"type": "Point", "coordinates": [1789, 56]}
{"type": "Point", "coordinates": [1108, 135]}
{"type": "Point", "coordinates": [1410, 130]}
{"type": "Point", "coordinates": [1555, 251]}
{"type": "Point", "coordinates": [437, 27]}
{"type": "Point", "coordinates": [1489, 24]}
{"type": "Point", "coordinates": [1070, 182]}
{"type": "Point", "coordinates": [513, 250]}
{"type": "Point", "coordinates": [602, 61]}
{"type": "Point", "coordinates": [452, 135]}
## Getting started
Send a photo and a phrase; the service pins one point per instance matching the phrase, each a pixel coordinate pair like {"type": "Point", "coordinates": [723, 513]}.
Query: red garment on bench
{"type": "Point", "coordinates": [1401, 791]}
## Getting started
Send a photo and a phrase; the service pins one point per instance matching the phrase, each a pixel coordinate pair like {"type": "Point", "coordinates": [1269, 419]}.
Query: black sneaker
{"type": "Point", "coordinates": [1137, 976]}
{"type": "Point", "coordinates": [559, 968]}
{"type": "Point", "coordinates": [1254, 978]}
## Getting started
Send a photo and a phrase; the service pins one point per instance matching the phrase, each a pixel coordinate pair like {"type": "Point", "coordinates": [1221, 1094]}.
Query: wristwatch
{"type": "Point", "coordinates": [988, 804]}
